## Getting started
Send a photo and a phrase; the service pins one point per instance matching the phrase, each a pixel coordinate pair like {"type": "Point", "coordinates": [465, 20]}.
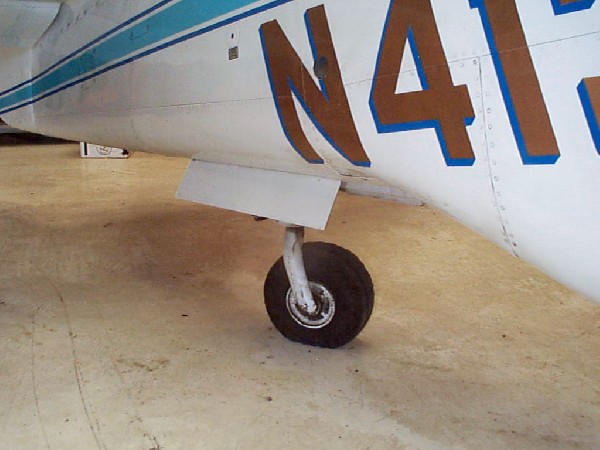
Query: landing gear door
{"type": "Point", "coordinates": [287, 197]}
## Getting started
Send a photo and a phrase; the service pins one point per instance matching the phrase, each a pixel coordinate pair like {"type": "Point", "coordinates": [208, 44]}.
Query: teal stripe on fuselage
{"type": "Point", "coordinates": [165, 23]}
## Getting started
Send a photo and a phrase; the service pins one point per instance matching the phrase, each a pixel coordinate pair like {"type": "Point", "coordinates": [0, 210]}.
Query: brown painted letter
{"type": "Point", "coordinates": [329, 110]}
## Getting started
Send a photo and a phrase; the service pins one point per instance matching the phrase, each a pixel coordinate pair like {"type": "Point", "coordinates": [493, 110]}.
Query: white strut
{"type": "Point", "coordinates": [294, 266]}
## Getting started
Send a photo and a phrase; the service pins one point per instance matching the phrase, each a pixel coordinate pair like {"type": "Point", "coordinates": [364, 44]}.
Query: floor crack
{"type": "Point", "coordinates": [34, 381]}
{"type": "Point", "coordinates": [78, 372]}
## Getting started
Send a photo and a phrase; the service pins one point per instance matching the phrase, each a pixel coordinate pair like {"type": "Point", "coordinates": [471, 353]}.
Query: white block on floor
{"type": "Point", "coordinates": [101, 151]}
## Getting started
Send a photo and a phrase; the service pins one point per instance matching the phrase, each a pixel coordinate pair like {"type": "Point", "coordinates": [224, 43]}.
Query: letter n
{"type": "Point", "coordinates": [328, 107]}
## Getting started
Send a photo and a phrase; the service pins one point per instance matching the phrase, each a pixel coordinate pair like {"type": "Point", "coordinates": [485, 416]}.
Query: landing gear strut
{"type": "Point", "coordinates": [318, 293]}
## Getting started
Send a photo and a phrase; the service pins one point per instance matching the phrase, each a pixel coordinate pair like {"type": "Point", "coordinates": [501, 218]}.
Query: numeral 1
{"type": "Point", "coordinates": [518, 81]}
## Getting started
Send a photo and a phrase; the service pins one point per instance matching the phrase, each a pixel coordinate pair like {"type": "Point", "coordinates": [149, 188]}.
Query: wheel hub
{"type": "Point", "coordinates": [325, 307]}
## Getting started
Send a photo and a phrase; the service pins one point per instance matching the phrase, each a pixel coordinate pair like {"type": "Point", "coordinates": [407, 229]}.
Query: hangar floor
{"type": "Point", "coordinates": [132, 320]}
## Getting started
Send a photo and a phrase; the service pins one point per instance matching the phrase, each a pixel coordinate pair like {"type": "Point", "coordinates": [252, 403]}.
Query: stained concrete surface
{"type": "Point", "coordinates": [132, 320]}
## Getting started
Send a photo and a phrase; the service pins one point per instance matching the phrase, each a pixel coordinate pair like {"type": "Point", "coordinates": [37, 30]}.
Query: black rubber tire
{"type": "Point", "coordinates": [343, 275]}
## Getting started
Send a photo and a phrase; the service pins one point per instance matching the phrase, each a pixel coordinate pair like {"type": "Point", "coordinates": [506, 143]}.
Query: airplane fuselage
{"type": "Point", "coordinates": [485, 109]}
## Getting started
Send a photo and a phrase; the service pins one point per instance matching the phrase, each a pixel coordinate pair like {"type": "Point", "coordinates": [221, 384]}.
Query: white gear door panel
{"type": "Point", "coordinates": [291, 198]}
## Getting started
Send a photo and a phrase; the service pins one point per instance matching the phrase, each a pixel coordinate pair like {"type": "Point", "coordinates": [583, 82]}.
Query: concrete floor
{"type": "Point", "coordinates": [132, 320]}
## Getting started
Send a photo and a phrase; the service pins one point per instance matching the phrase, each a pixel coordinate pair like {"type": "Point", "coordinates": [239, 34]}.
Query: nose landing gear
{"type": "Point", "coordinates": [318, 293]}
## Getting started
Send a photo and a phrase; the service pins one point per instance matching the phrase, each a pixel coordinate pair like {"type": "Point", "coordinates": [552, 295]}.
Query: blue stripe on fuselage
{"type": "Point", "coordinates": [156, 28]}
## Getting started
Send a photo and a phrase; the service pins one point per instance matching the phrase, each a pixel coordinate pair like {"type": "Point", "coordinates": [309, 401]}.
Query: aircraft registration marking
{"type": "Point", "coordinates": [520, 86]}
{"type": "Point", "coordinates": [440, 104]}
